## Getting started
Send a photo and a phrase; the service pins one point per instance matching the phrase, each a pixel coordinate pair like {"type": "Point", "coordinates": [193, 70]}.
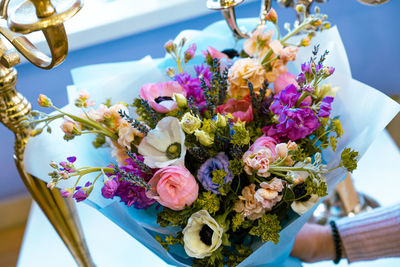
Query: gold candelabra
{"type": "Point", "coordinates": [48, 17]}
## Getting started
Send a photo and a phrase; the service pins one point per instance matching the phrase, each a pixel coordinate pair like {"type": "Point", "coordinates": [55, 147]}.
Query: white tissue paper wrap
{"type": "Point", "coordinates": [363, 112]}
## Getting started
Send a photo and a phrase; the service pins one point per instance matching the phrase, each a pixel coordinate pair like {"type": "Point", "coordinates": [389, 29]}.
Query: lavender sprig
{"type": "Point", "coordinates": [137, 180]}
{"type": "Point", "coordinates": [143, 167]}
{"type": "Point", "coordinates": [134, 123]}
{"type": "Point", "coordinates": [193, 107]}
{"type": "Point", "coordinates": [154, 116]}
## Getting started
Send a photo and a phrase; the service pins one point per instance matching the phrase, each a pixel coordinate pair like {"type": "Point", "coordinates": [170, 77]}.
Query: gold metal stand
{"type": "Point", "coordinates": [30, 16]}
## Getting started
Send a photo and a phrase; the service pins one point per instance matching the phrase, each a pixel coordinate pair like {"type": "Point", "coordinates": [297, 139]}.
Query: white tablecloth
{"type": "Point", "coordinates": [110, 246]}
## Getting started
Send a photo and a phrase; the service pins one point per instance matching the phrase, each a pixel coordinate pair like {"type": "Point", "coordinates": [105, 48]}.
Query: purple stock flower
{"type": "Point", "coordinates": [80, 194]}
{"type": "Point", "coordinates": [318, 67]}
{"type": "Point", "coordinates": [293, 122]}
{"type": "Point", "coordinates": [192, 86]}
{"type": "Point", "coordinates": [286, 98]}
{"type": "Point", "coordinates": [109, 188]}
{"type": "Point", "coordinates": [325, 107]}
{"type": "Point", "coordinates": [204, 174]}
{"type": "Point", "coordinates": [331, 70]}
{"type": "Point", "coordinates": [128, 192]}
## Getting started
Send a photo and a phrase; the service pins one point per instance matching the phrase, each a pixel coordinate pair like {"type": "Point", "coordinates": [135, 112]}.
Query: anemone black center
{"type": "Point", "coordinates": [162, 98]}
{"type": "Point", "coordinates": [231, 53]}
{"type": "Point", "coordinates": [174, 151]}
{"type": "Point", "coordinates": [206, 234]}
{"type": "Point", "coordinates": [300, 192]}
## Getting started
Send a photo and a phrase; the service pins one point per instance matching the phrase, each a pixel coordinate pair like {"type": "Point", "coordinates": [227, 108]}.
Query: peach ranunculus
{"type": "Point", "coordinates": [284, 80]}
{"type": "Point", "coordinates": [159, 95]}
{"type": "Point", "coordinates": [243, 71]}
{"type": "Point", "coordinates": [173, 187]}
{"type": "Point", "coordinates": [240, 109]}
{"type": "Point", "coordinates": [247, 206]}
{"type": "Point", "coordinates": [258, 43]}
{"type": "Point", "coordinates": [259, 156]}
{"type": "Point", "coordinates": [268, 194]}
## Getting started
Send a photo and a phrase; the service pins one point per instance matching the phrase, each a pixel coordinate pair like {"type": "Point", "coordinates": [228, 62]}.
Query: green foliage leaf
{"type": "Point", "coordinates": [267, 229]}
{"type": "Point", "coordinates": [349, 159]}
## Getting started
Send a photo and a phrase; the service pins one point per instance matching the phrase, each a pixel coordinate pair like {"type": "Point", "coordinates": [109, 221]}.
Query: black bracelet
{"type": "Point", "coordinates": [337, 241]}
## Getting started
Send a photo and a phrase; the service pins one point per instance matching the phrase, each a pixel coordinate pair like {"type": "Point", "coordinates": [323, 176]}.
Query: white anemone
{"type": "Point", "coordinates": [301, 207]}
{"type": "Point", "coordinates": [164, 145]}
{"type": "Point", "coordinates": [193, 242]}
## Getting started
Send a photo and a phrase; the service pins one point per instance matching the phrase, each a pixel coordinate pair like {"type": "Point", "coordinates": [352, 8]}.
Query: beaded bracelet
{"type": "Point", "coordinates": [337, 241]}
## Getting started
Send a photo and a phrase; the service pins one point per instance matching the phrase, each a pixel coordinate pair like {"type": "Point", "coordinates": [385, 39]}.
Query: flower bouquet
{"type": "Point", "coordinates": [216, 157]}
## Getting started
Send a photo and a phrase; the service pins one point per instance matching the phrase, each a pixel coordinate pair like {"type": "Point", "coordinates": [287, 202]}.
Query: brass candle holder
{"type": "Point", "coordinates": [48, 17]}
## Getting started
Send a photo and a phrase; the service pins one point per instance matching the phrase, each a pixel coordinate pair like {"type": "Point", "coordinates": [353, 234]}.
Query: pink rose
{"type": "Point", "coordinates": [159, 95]}
{"type": "Point", "coordinates": [240, 109]}
{"type": "Point", "coordinates": [284, 80]}
{"type": "Point", "coordinates": [173, 187]}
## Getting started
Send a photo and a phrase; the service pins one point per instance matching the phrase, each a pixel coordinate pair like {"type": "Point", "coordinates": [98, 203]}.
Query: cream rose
{"type": "Point", "coordinates": [202, 235]}
{"type": "Point", "coordinates": [190, 123]}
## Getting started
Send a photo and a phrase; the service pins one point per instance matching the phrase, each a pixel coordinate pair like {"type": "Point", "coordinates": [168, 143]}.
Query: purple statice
{"type": "Point", "coordinates": [325, 107]}
{"type": "Point", "coordinates": [307, 88]}
{"type": "Point", "coordinates": [306, 68]}
{"type": "Point", "coordinates": [110, 188]}
{"type": "Point", "coordinates": [301, 78]}
{"type": "Point", "coordinates": [293, 122]}
{"type": "Point", "coordinates": [128, 192]}
{"type": "Point", "coordinates": [189, 53]}
{"type": "Point", "coordinates": [71, 159]}
{"type": "Point", "coordinates": [80, 194]}
{"type": "Point", "coordinates": [318, 68]}
{"type": "Point", "coordinates": [331, 70]}
{"type": "Point", "coordinates": [204, 174]}
{"type": "Point", "coordinates": [66, 193]}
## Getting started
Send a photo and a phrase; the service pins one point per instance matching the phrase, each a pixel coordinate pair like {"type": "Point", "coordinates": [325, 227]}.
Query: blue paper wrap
{"type": "Point", "coordinates": [361, 120]}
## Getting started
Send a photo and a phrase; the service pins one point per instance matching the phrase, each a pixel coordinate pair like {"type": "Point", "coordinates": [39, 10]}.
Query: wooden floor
{"type": "Point", "coordinates": [11, 235]}
{"type": "Point", "coordinates": [10, 242]}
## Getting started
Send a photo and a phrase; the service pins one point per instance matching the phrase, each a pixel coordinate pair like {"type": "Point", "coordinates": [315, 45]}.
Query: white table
{"type": "Point", "coordinates": [110, 246]}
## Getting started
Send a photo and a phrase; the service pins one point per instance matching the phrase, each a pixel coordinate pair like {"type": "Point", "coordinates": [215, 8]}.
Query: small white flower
{"type": "Point", "coordinates": [301, 207]}
{"type": "Point", "coordinates": [196, 235]}
{"type": "Point", "coordinates": [164, 145]}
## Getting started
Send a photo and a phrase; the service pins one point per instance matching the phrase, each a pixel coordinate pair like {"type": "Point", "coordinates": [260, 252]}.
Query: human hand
{"type": "Point", "coordinates": [314, 243]}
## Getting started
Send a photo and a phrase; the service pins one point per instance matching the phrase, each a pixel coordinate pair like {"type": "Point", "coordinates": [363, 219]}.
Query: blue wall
{"type": "Point", "coordinates": [370, 35]}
